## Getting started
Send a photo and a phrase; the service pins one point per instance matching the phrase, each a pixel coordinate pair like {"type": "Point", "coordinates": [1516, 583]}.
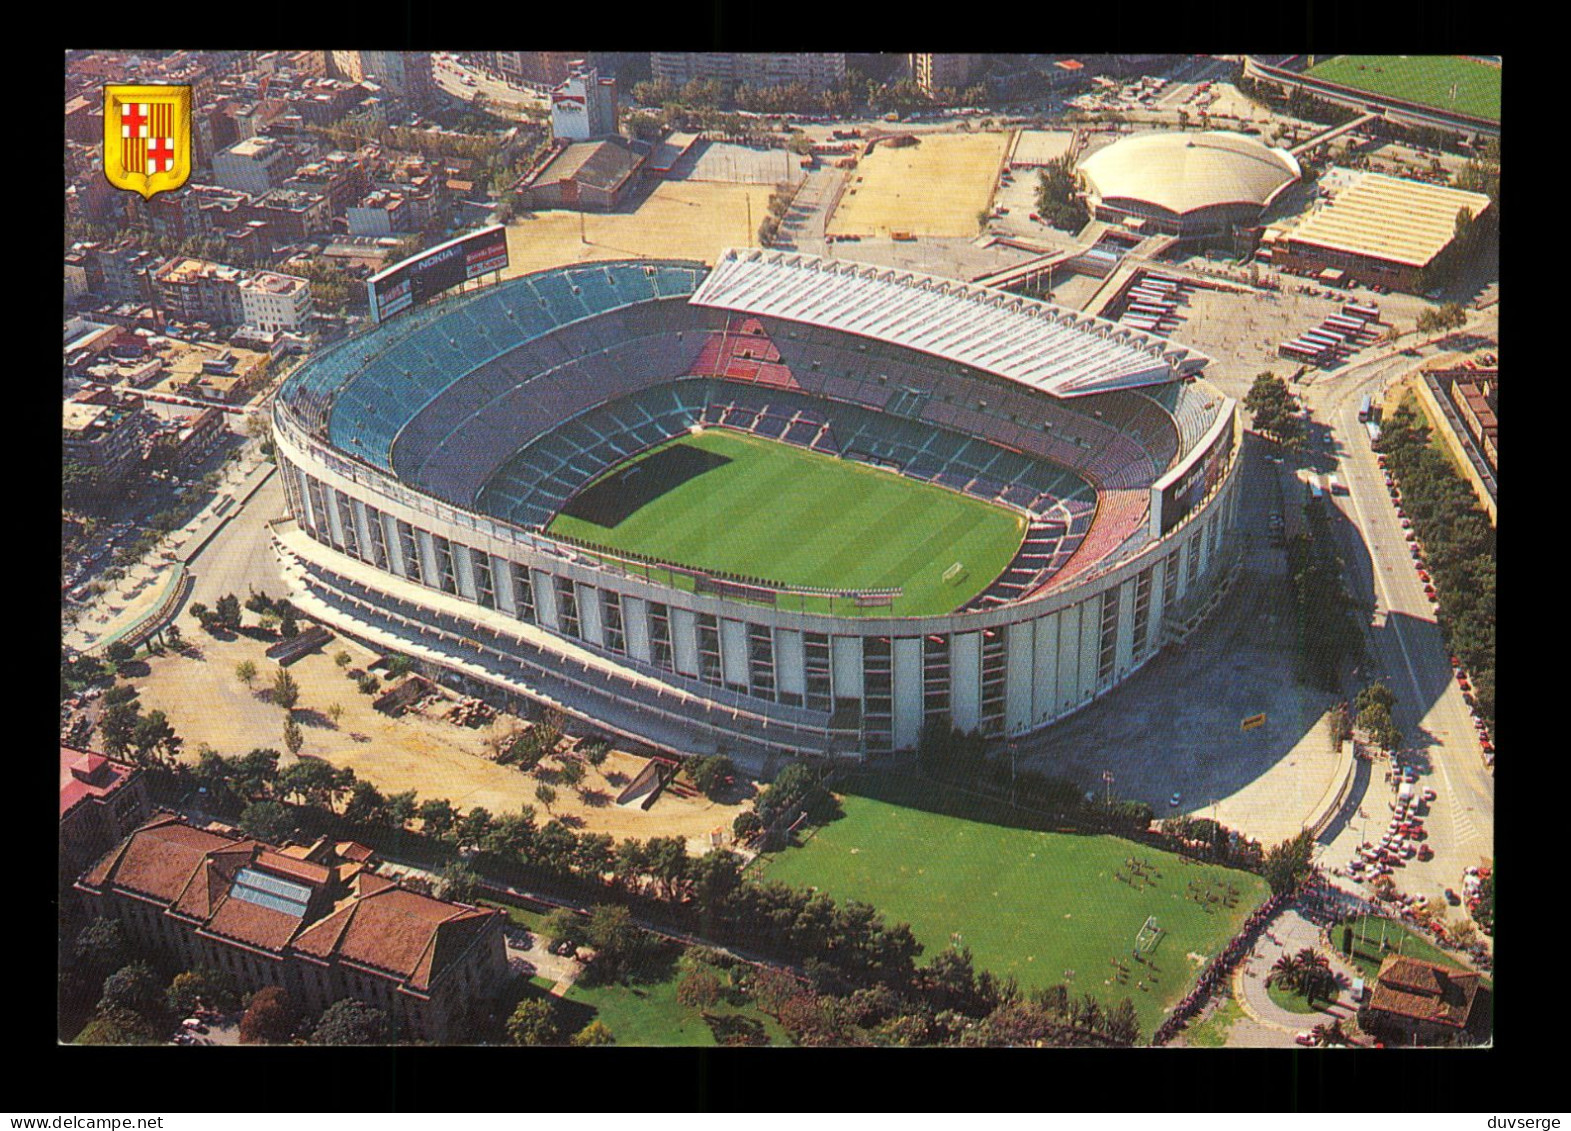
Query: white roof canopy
{"type": "Point", "coordinates": [1058, 351]}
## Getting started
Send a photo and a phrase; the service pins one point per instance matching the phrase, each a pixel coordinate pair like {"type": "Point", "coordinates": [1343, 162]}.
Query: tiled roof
{"type": "Point", "coordinates": [376, 923]}
{"type": "Point", "coordinates": [403, 933]}
{"type": "Point", "coordinates": [1423, 991]}
{"type": "Point", "coordinates": [85, 774]}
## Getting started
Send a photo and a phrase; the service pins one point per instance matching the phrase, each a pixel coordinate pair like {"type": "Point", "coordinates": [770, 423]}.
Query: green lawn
{"type": "Point", "coordinates": [1367, 955]}
{"type": "Point", "coordinates": [802, 518]}
{"type": "Point", "coordinates": [1212, 1032]}
{"type": "Point", "coordinates": [647, 1013]}
{"type": "Point", "coordinates": [1029, 903]}
{"type": "Point", "coordinates": [528, 920]}
{"type": "Point", "coordinates": [1292, 1001]}
{"type": "Point", "coordinates": [1424, 79]}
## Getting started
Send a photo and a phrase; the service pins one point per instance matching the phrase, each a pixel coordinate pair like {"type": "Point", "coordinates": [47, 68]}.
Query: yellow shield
{"type": "Point", "coordinates": [147, 137]}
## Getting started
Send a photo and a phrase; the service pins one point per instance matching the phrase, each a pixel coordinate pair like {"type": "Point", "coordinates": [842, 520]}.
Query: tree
{"type": "Point", "coordinates": [710, 774]}
{"type": "Point", "coordinates": [700, 988]}
{"type": "Point", "coordinates": [545, 795]}
{"type": "Point", "coordinates": [199, 988]}
{"type": "Point", "coordinates": [398, 665]}
{"type": "Point", "coordinates": [135, 987]}
{"type": "Point", "coordinates": [572, 771]}
{"type": "Point", "coordinates": [616, 939]}
{"type": "Point", "coordinates": [335, 711]}
{"type": "Point", "coordinates": [204, 615]}
{"type": "Point", "coordinates": [342, 658]}
{"type": "Point", "coordinates": [352, 1022]}
{"type": "Point", "coordinates": [366, 805]}
{"type": "Point", "coordinates": [315, 782]}
{"type": "Point", "coordinates": [267, 821]}
{"type": "Point", "coordinates": [1286, 971]}
{"type": "Point", "coordinates": [593, 1035]}
{"type": "Point", "coordinates": [294, 738]}
{"type": "Point", "coordinates": [1287, 864]}
{"type": "Point", "coordinates": [287, 628]}
{"type": "Point", "coordinates": [228, 612]}
{"type": "Point", "coordinates": [534, 1023]}
{"type": "Point", "coordinates": [437, 817]}
{"type": "Point", "coordinates": [473, 828]}
{"type": "Point", "coordinates": [255, 774]}
{"type": "Point", "coordinates": [1123, 1024]}
{"type": "Point", "coordinates": [117, 727]}
{"type": "Point", "coordinates": [1274, 410]}
{"type": "Point", "coordinates": [368, 683]}
{"type": "Point", "coordinates": [117, 1026]}
{"type": "Point", "coordinates": [564, 925]}
{"type": "Point", "coordinates": [175, 637]}
{"type": "Point", "coordinates": [100, 945]}
{"type": "Point", "coordinates": [457, 882]}
{"type": "Point", "coordinates": [119, 652]}
{"type": "Point", "coordinates": [268, 621]}
{"type": "Point", "coordinates": [153, 739]}
{"type": "Point", "coordinates": [286, 692]}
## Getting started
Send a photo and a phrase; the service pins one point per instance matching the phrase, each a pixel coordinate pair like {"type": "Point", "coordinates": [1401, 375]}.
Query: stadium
{"type": "Point", "coordinates": [784, 504]}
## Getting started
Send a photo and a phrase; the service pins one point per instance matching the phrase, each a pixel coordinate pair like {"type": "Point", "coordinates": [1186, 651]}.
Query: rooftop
{"type": "Point", "coordinates": [599, 164]}
{"type": "Point", "coordinates": [85, 774]}
{"type": "Point", "coordinates": [1423, 991]}
{"type": "Point", "coordinates": [1050, 348]}
{"type": "Point", "coordinates": [1187, 171]}
{"type": "Point", "coordinates": [1385, 217]}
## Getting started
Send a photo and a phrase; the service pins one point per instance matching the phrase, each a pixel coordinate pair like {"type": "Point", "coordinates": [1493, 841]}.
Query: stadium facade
{"type": "Point", "coordinates": [424, 459]}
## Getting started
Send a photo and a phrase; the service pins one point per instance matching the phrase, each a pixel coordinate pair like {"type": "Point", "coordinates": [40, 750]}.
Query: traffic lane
{"type": "Point", "coordinates": [240, 556]}
{"type": "Point", "coordinates": [1436, 719]}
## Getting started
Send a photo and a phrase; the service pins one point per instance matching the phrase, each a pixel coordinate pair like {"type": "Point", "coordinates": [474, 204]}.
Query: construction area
{"type": "Point", "coordinates": [427, 738]}
{"type": "Point", "coordinates": [937, 187]}
{"type": "Point", "coordinates": [676, 220]}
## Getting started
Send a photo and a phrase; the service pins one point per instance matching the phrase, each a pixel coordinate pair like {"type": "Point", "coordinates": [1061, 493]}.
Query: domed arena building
{"type": "Point", "coordinates": [1187, 184]}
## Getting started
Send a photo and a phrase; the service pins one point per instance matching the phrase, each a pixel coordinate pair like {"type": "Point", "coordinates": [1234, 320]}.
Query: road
{"type": "Point", "coordinates": [1407, 648]}
{"type": "Point", "coordinates": [240, 556]}
{"type": "Point", "coordinates": [449, 75]}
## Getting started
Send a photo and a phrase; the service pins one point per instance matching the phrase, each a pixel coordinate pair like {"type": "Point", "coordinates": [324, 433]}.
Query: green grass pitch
{"type": "Point", "coordinates": [1028, 903]}
{"type": "Point", "coordinates": [801, 518]}
{"type": "Point", "coordinates": [1424, 79]}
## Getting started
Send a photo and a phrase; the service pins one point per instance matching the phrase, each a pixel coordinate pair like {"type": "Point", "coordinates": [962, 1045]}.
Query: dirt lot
{"type": "Point", "coordinates": [207, 703]}
{"type": "Point", "coordinates": [678, 220]}
{"type": "Point", "coordinates": [934, 188]}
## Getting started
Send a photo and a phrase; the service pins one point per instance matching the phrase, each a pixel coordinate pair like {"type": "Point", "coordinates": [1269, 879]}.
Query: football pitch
{"type": "Point", "coordinates": [719, 500]}
{"type": "Point", "coordinates": [1424, 79]}
{"type": "Point", "coordinates": [1043, 906]}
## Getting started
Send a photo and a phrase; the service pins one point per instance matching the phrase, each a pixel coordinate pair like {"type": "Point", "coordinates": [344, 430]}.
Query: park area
{"type": "Point", "coordinates": [677, 220]}
{"type": "Point", "coordinates": [719, 500]}
{"type": "Point", "coordinates": [207, 704]}
{"type": "Point", "coordinates": [1045, 907]}
{"type": "Point", "coordinates": [1445, 82]}
{"type": "Point", "coordinates": [937, 187]}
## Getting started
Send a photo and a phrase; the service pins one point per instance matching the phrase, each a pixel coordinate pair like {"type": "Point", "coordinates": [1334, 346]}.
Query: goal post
{"type": "Point", "coordinates": [1148, 936]}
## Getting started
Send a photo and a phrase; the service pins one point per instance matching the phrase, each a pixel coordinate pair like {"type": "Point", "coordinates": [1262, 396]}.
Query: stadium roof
{"type": "Point", "coordinates": [1185, 172]}
{"type": "Point", "coordinates": [1382, 217]}
{"type": "Point", "coordinates": [1059, 351]}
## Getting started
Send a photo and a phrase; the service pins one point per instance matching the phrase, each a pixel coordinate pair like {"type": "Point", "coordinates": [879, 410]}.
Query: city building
{"type": "Point", "coordinates": [185, 438]}
{"type": "Point", "coordinates": [101, 801]}
{"type": "Point", "coordinates": [584, 106]}
{"type": "Point", "coordinates": [1190, 183]}
{"type": "Point", "coordinates": [382, 213]}
{"type": "Point", "coordinates": [816, 70]}
{"type": "Point", "coordinates": [537, 68]}
{"type": "Point", "coordinates": [316, 919]}
{"type": "Point", "coordinates": [403, 74]}
{"type": "Point", "coordinates": [1378, 228]}
{"type": "Point", "coordinates": [291, 214]}
{"type": "Point", "coordinates": [197, 290]}
{"type": "Point", "coordinates": [253, 166]}
{"type": "Point", "coordinates": [104, 430]}
{"type": "Point", "coordinates": [271, 301]}
{"type": "Point", "coordinates": [589, 175]}
{"type": "Point", "coordinates": [1425, 1003]}
{"type": "Point", "coordinates": [176, 215]}
{"type": "Point", "coordinates": [935, 72]}
{"type": "Point", "coordinates": [338, 177]}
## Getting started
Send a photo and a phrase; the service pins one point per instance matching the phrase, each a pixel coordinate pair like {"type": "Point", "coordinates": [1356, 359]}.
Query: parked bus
{"type": "Point", "coordinates": [1363, 409]}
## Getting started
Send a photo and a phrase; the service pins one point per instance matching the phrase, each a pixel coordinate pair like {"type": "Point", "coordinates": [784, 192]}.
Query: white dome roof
{"type": "Point", "coordinates": [1185, 172]}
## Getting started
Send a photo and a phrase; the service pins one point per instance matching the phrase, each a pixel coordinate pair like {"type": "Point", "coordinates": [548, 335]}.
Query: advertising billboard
{"type": "Point", "coordinates": [423, 276]}
{"type": "Point", "coordinates": [1181, 490]}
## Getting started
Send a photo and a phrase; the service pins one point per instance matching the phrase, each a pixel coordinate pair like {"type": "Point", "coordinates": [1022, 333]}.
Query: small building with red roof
{"type": "Point", "coordinates": [101, 801]}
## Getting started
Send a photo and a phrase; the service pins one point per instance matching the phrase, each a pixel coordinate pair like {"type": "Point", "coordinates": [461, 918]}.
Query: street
{"type": "Point", "coordinates": [1407, 650]}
